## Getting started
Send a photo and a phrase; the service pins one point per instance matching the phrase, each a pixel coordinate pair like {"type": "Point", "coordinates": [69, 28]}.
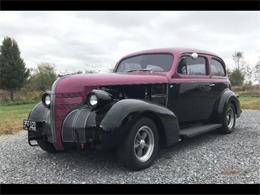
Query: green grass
{"type": "Point", "coordinates": [11, 117]}
{"type": "Point", "coordinates": [250, 102]}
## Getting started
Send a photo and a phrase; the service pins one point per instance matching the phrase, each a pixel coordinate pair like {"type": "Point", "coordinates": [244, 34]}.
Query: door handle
{"type": "Point", "coordinates": [211, 84]}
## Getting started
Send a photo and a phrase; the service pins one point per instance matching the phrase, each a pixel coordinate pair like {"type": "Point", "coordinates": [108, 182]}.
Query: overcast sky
{"type": "Point", "coordinates": [74, 40]}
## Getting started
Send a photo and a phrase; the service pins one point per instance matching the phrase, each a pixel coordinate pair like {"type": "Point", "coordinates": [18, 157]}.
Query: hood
{"type": "Point", "coordinates": [81, 82]}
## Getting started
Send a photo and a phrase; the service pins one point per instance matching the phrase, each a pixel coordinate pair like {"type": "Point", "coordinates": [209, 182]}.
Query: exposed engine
{"type": "Point", "coordinates": [155, 93]}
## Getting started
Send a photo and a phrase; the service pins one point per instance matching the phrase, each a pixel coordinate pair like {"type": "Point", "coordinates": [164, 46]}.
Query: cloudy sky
{"type": "Point", "coordinates": [77, 40]}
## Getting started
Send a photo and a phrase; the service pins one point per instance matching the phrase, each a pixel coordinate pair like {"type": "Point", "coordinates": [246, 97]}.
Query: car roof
{"type": "Point", "coordinates": [172, 50]}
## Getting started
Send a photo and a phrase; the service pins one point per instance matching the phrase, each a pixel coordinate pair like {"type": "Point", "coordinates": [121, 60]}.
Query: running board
{"type": "Point", "coordinates": [193, 131]}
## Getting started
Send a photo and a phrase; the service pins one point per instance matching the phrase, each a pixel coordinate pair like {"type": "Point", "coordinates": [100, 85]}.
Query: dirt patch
{"type": "Point", "coordinates": [231, 172]}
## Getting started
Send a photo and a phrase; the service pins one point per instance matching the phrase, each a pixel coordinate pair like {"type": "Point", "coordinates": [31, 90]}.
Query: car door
{"type": "Point", "coordinates": [218, 77]}
{"type": "Point", "coordinates": [190, 90]}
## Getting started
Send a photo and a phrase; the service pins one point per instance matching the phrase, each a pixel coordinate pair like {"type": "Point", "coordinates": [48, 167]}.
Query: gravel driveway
{"type": "Point", "coordinates": [209, 158]}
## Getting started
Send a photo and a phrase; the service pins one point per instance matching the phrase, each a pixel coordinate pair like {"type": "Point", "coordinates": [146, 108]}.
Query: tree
{"type": "Point", "coordinates": [43, 77]}
{"type": "Point", "coordinates": [237, 57]}
{"type": "Point", "coordinates": [236, 77]}
{"type": "Point", "coordinates": [89, 71]}
{"type": "Point", "coordinates": [13, 73]}
{"type": "Point", "coordinates": [257, 71]}
{"type": "Point", "coordinates": [229, 71]}
{"type": "Point", "coordinates": [247, 71]}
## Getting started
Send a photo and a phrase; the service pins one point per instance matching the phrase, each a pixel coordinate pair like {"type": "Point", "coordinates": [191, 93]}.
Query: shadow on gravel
{"type": "Point", "coordinates": [108, 161]}
{"type": "Point", "coordinates": [81, 159]}
{"type": "Point", "coordinates": [191, 143]}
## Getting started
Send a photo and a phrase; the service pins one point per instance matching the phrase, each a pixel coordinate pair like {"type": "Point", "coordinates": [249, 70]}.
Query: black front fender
{"type": "Point", "coordinates": [42, 114]}
{"type": "Point", "coordinates": [111, 124]}
{"type": "Point", "coordinates": [124, 113]}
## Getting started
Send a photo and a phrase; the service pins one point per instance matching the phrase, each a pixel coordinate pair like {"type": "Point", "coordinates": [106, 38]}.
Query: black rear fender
{"type": "Point", "coordinates": [228, 96]}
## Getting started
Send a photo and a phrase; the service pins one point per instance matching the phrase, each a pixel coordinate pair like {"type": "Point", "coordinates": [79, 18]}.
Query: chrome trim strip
{"type": "Point", "coordinates": [159, 95]}
{"type": "Point", "coordinates": [85, 123]}
{"type": "Point", "coordinates": [74, 124]}
{"type": "Point", "coordinates": [62, 129]}
{"type": "Point", "coordinates": [167, 95]}
{"type": "Point", "coordinates": [52, 114]}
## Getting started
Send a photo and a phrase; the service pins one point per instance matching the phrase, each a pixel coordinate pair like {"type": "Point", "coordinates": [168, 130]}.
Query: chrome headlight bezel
{"type": "Point", "coordinates": [46, 100]}
{"type": "Point", "coordinates": [93, 100]}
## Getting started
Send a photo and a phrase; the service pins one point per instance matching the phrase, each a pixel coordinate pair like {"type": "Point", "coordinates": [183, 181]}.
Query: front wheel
{"type": "Point", "coordinates": [140, 148]}
{"type": "Point", "coordinates": [228, 119]}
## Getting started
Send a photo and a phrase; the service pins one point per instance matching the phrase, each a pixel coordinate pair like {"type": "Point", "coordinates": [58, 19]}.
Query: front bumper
{"type": "Point", "coordinates": [35, 130]}
{"type": "Point", "coordinates": [79, 127]}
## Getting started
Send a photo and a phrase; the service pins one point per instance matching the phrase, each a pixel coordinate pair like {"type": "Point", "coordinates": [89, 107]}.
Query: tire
{"type": "Point", "coordinates": [228, 119]}
{"type": "Point", "coordinates": [46, 146]}
{"type": "Point", "coordinates": [140, 147]}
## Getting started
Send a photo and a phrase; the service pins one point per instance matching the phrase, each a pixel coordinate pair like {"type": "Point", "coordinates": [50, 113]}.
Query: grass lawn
{"type": "Point", "coordinates": [250, 102]}
{"type": "Point", "coordinates": [11, 117]}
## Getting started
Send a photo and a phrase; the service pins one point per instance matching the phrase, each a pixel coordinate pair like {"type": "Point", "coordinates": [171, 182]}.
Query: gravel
{"type": "Point", "coordinates": [208, 158]}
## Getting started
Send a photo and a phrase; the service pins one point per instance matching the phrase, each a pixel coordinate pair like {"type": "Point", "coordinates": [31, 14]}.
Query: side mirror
{"type": "Point", "coordinates": [194, 55]}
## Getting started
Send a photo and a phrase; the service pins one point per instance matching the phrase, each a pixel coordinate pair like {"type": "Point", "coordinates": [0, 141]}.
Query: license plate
{"type": "Point", "coordinates": [29, 125]}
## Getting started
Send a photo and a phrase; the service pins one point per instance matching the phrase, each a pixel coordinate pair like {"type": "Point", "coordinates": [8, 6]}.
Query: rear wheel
{"type": "Point", "coordinates": [46, 146]}
{"type": "Point", "coordinates": [228, 119]}
{"type": "Point", "coordinates": [141, 145]}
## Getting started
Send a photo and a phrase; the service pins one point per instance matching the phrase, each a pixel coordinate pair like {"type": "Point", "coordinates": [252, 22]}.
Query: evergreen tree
{"type": "Point", "coordinates": [12, 67]}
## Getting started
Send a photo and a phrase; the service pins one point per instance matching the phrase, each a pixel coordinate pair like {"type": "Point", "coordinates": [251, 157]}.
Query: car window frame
{"type": "Point", "coordinates": [193, 76]}
{"type": "Point", "coordinates": [155, 53]}
{"type": "Point", "coordinates": [223, 65]}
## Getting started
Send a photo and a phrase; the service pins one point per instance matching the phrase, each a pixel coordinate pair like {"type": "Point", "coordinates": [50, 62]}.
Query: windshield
{"type": "Point", "coordinates": [154, 62]}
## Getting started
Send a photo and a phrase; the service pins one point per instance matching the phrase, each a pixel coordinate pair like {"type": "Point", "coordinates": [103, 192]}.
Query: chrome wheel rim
{"type": "Point", "coordinates": [144, 143]}
{"type": "Point", "coordinates": [230, 118]}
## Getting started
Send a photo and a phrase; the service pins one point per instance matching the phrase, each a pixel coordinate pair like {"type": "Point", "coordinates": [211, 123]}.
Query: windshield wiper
{"type": "Point", "coordinates": [140, 70]}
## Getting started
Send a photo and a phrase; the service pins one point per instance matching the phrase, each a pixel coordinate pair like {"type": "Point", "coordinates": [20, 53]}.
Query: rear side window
{"type": "Point", "coordinates": [190, 66]}
{"type": "Point", "coordinates": [217, 68]}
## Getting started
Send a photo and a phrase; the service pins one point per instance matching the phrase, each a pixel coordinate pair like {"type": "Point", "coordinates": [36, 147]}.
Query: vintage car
{"type": "Point", "coordinates": [153, 98]}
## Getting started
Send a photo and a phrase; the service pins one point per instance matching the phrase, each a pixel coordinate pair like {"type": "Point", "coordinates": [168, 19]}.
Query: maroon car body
{"type": "Point", "coordinates": [184, 91]}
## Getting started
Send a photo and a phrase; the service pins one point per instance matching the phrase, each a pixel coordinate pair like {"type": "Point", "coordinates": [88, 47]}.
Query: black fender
{"type": "Point", "coordinates": [226, 97]}
{"type": "Point", "coordinates": [111, 123]}
{"type": "Point", "coordinates": [40, 113]}
{"type": "Point", "coordinates": [124, 113]}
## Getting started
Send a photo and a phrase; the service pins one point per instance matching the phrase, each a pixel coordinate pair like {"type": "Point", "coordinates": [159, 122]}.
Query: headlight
{"type": "Point", "coordinates": [97, 98]}
{"type": "Point", "coordinates": [46, 100]}
{"type": "Point", "coordinates": [93, 100]}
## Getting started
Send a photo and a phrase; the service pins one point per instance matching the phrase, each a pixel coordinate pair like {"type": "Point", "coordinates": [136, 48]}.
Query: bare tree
{"type": "Point", "coordinates": [237, 76]}
{"type": "Point", "coordinates": [257, 70]}
{"type": "Point", "coordinates": [237, 57]}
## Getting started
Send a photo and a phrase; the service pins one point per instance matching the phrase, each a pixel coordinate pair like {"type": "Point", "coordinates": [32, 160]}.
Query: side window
{"type": "Point", "coordinates": [190, 66]}
{"type": "Point", "coordinates": [217, 69]}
